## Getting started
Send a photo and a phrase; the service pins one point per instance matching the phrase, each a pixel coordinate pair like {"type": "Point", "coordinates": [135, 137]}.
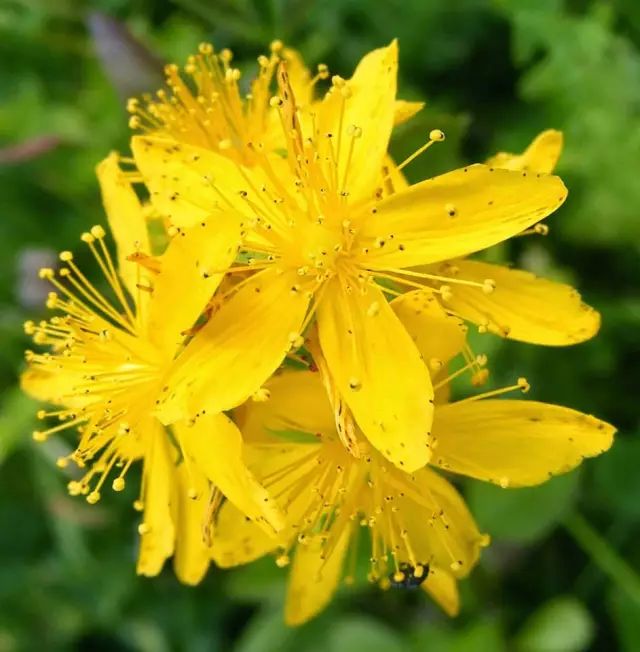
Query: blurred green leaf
{"type": "Point", "coordinates": [360, 634]}
{"type": "Point", "coordinates": [626, 615]}
{"type": "Point", "coordinates": [17, 420]}
{"type": "Point", "coordinates": [522, 515]}
{"type": "Point", "coordinates": [561, 625]}
{"type": "Point", "coordinates": [617, 477]}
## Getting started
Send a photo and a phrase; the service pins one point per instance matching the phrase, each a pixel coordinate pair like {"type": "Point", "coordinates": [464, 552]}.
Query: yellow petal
{"type": "Point", "coordinates": [126, 218]}
{"type": "Point", "coordinates": [187, 184]}
{"type": "Point", "coordinates": [239, 348]}
{"type": "Point", "coordinates": [314, 580]}
{"type": "Point", "coordinates": [516, 443]}
{"type": "Point", "coordinates": [214, 444]}
{"type": "Point", "coordinates": [371, 107]}
{"type": "Point", "coordinates": [157, 532]}
{"type": "Point", "coordinates": [299, 76]}
{"type": "Point", "coordinates": [378, 370]}
{"type": "Point", "coordinates": [438, 523]}
{"type": "Point", "coordinates": [58, 389]}
{"type": "Point", "coordinates": [191, 269]}
{"type": "Point", "coordinates": [438, 336]}
{"type": "Point", "coordinates": [541, 156]}
{"type": "Point", "coordinates": [453, 215]}
{"type": "Point", "coordinates": [297, 401]}
{"type": "Point", "coordinates": [443, 588]}
{"type": "Point", "coordinates": [405, 110]}
{"type": "Point", "coordinates": [191, 559]}
{"type": "Point", "coordinates": [237, 541]}
{"type": "Point", "coordinates": [522, 306]}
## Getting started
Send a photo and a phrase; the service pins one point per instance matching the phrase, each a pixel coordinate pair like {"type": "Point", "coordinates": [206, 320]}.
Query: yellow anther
{"type": "Point", "coordinates": [262, 395]}
{"type": "Point", "coordinates": [118, 484]}
{"type": "Point", "coordinates": [354, 131]}
{"type": "Point", "coordinates": [93, 497]}
{"type": "Point", "coordinates": [276, 46]}
{"type": "Point", "coordinates": [323, 71]}
{"type": "Point", "coordinates": [207, 48]}
{"type": "Point", "coordinates": [138, 505]}
{"type": "Point", "coordinates": [66, 256]}
{"type": "Point", "coordinates": [338, 81]}
{"type": "Point", "coordinates": [282, 561]}
{"type": "Point", "coordinates": [399, 576]}
{"type": "Point", "coordinates": [62, 462]}
{"type": "Point", "coordinates": [446, 293]}
{"type": "Point", "coordinates": [418, 571]}
{"type": "Point", "coordinates": [504, 482]}
{"type": "Point", "coordinates": [437, 135]}
{"type": "Point", "coordinates": [541, 229]}
{"type": "Point", "coordinates": [225, 144]}
{"type": "Point", "coordinates": [87, 238]}
{"type": "Point", "coordinates": [134, 122]}
{"type": "Point", "coordinates": [74, 488]}
{"type": "Point", "coordinates": [45, 273]}
{"type": "Point", "coordinates": [97, 231]}
{"type": "Point", "coordinates": [233, 74]}
{"type": "Point", "coordinates": [523, 384]}
{"type": "Point", "coordinates": [275, 102]}
{"type": "Point", "coordinates": [143, 529]}
{"type": "Point", "coordinates": [435, 364]}
{"type": "Point", "coordinates": [39, 436]}
{"type": "Point", "coordinates": [133, 104]}
{"type": "Point", "coordinates": [296, 340]}
{"type": "Point", "coordinates": [480, 377]}
{"type": "Point", "coordinates": [455, 566]}
{"type": "Point", "coordinates": [488, 285]}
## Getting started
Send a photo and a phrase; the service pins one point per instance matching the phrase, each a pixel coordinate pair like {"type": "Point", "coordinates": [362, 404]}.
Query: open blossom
{"type": "Point", "coordinates": [104, 367]}
{"type": "Point", "coordinates": [208, 109]}
{"type": "Point", "coordinates": [416, 527]}
{"type": "Point", "coordinates": [325, 241]}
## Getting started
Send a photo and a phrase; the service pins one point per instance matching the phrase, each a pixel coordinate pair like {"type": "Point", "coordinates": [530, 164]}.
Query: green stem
{"type": "Point", "coordinates": [604, 556]}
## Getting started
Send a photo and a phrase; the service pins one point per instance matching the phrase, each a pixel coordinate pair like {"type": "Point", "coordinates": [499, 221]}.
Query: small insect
{"type": "Point", "coordinates": [408, 576]}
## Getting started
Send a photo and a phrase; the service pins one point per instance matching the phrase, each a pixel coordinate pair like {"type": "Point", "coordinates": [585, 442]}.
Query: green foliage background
{"type": "Point", "coordinates": [561, 574]}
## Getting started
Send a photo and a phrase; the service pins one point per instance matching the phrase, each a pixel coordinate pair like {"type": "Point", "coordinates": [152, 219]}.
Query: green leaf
{"type": "Point", "coordinates": [522, 515]}
{"type": "Point", "coordinates": [561, 625]}
{"type": "Point", "coordinates": [364, 635]}
{"type": "Point", "coordinates": [617, 479]}
{"type": "Point", "coordinates": [17, 418]}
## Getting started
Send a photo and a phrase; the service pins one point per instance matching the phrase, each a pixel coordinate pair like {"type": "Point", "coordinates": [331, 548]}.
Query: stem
{"type": "Point", "coordinates": [604, 556]}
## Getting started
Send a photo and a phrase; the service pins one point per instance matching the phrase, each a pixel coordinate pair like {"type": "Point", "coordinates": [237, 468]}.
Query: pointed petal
{"type": "Point", "coordinates": [405, 110]}
{"type": "Point", "coordinates": [378, 370]}
{"type": "Point", "coordinates": [191, 269]}
{"type": "Point", "coordinates": [297, 402]}
{"type": "Point", "coordinates": [443, 588]}
{"type": "Point", "coordinates": [516, 443]}
{"type": "Point", "coordinates": [455, 214]}
{"type": "Point", "coordinates": [126, 218]}
{"type": "Point", "coordinates": [313, 580]}
{"type": "Point", "coordinates": [187, 183]}
{"type": "Point", "coordinates": [191, 559]}
{"type": "Point", "coordinates": [239, 348]}
{"type": "Point", "coordinates": [370, 106]}
{"type": "Point", "coordinates": [541, 156]}
{"type": "Point", "coordinates": [522, 306]}
{"type": "Point", "coordinates": [237, 540]}
{"type": "Point", "coordinates": [214, 444]}
{"type": "Point", "coordinates": [438, 336]}
{"type": "Point", "coordinates": [438, 523]}
{"type": "Point", "coordinates": [158, 532]}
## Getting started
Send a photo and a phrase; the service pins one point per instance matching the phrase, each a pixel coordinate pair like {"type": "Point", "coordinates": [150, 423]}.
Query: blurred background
{"type": "Point", "coordinates": [562, 573]}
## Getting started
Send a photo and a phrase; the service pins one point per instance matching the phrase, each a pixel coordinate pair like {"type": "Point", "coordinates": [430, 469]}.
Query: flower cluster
{"type": "Point", "coordinates": [275, 337]}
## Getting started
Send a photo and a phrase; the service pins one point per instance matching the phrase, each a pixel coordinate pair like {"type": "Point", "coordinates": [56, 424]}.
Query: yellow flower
{"type": "Point", "coordinates": [208, 109]}
{"type": "Point", "coordinates": [326, 243]}
{"type": "Point", "coordinates": [105, 367]}
{"type": "Point", "coordinates": [419, 530]}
